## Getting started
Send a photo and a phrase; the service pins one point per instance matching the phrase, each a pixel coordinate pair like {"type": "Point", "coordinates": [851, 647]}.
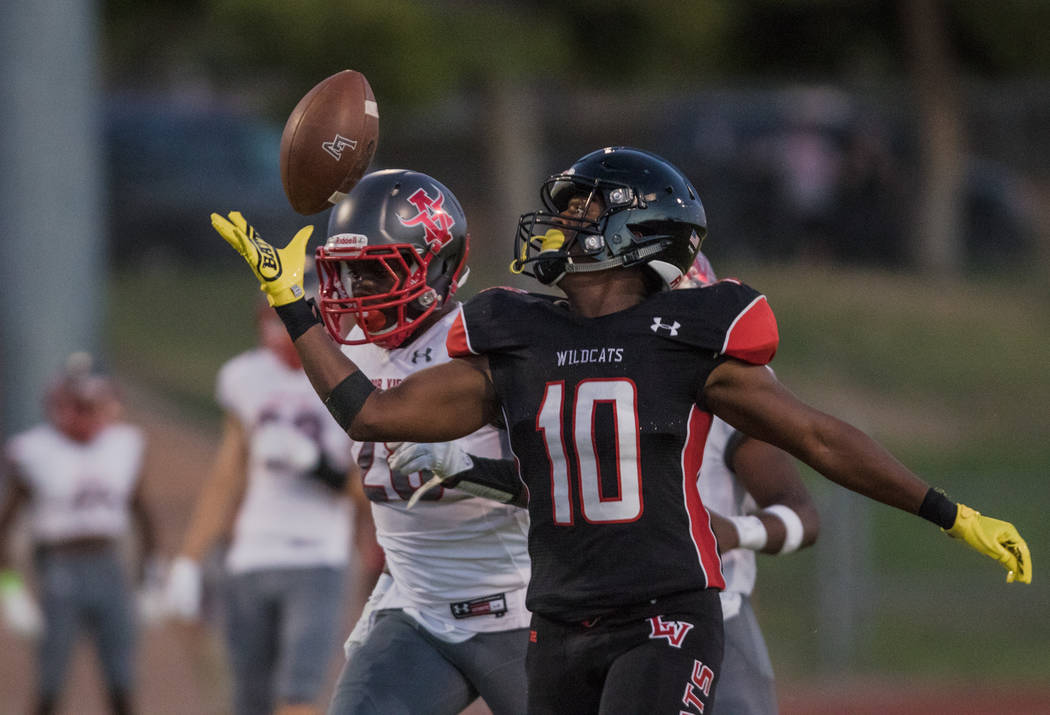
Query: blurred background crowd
{"type": "Point", "coordinates": [879, 168]}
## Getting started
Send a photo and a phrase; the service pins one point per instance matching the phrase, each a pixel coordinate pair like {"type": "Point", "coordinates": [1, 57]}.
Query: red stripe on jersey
{"type": "Point", "coordinates": [699, 520]}
{"type": "Point", "coordinates": [753, 335]}
{"type": "Point", "coordinates": [456, 342]}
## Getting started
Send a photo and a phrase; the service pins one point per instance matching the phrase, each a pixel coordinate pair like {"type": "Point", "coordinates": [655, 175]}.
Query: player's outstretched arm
{"type": "Point", "coordinates": [751, 399]}
{"type": "Point", "coordinates": [434, 405]}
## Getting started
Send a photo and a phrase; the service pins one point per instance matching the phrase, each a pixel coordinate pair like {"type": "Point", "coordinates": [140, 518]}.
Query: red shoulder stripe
{"type": "Point", "coordinates": [753, 335]}
{"type": "Point", "coordinates": [457, 343]}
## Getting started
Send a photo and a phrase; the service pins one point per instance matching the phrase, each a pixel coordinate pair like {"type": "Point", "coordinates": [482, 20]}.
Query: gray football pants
{"type": "Point", "coordinates": [745, 683]}
{"type": "Point", "coordinates": [401, 669]}
{"type": "Point", "coordinates": [85, 591]}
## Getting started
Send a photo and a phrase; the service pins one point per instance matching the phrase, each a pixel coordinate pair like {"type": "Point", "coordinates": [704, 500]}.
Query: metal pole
{"type": "Point", "coordinates": [52, 250]}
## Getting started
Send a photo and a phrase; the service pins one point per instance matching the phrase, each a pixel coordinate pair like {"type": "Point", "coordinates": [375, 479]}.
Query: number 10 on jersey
{"type": "Point", "coordinates": [622, 396]}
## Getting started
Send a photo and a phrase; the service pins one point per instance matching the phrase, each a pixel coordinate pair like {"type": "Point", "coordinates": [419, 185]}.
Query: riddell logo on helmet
{"type": "Point", "coordinates": [432, 216]}
{"type": "Point", "coordinates": [347, 241]}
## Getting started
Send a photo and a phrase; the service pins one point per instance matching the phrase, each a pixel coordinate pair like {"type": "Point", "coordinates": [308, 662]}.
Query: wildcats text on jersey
{"type": "Point", "coordinates": [589, 355]}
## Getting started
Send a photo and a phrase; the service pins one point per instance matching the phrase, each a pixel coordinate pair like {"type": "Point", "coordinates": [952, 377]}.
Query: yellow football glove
{"type": "Point", "coordinates": [279, 270]}
{"type": "Point", "coordinates": [995, 538]}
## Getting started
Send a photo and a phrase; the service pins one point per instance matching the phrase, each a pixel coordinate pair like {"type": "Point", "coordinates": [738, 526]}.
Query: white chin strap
{"type": "Point", "coordinates": [463, 278]}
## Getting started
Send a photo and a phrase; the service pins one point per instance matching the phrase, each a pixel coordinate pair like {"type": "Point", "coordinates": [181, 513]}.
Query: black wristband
{"type": "Point", "coordinates": [939, 509]}
{"type": "Point", "coordinates": [348, 397]}
{"type": "Point", "coordinates": [297, 316]}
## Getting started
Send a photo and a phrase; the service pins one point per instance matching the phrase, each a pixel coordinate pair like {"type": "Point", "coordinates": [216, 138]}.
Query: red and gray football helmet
{"type": "Point", "coordinates": [396, 251]}
{"type": "Point", "coordinates": [615, 207]}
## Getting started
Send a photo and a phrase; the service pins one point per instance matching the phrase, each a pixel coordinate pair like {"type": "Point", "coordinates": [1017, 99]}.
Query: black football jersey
{"type": "Point", "coordinates": [608, 435]}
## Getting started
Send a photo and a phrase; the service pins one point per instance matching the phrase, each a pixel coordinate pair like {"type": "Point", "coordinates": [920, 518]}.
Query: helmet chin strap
{"type": "Point", "coordinates": [627, 259]}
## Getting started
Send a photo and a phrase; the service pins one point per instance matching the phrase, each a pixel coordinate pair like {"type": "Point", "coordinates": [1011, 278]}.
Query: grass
{"type": "Point", "coordinates": [175, 329]}
{"type": "Point", "coordinates": [951, 376]}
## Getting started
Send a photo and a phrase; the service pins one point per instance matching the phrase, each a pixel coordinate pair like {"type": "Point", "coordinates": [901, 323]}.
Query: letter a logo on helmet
{"type": "Point", "coordinates": [436, 222]}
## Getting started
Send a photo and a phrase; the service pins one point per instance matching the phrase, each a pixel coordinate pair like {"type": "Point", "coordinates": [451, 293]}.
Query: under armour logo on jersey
{"type": "Point", "coordinates": [659, 325]}
{"type": "Point", "coordinates": [421, 354]}
{"type": "Point", "coordinates": [432, 217]}
{"type": "Point", "coordinates": [494, 605]}
{"type": "Point", "coordinates": [673, 631]}
{"type": "Point", "coordinates": [336, 146]}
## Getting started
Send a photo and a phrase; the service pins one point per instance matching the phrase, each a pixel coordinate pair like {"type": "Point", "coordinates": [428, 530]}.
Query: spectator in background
{"type": "Point", "coordinates": [280, 477]}
{"type": "Point", "coordinates": [80, 476]}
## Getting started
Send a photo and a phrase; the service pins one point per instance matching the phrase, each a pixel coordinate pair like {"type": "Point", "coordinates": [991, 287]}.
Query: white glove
{"type": "Point", "coordinates": [22, 615]}
{"type": "Point", "coordinates": [280, 446]}
{"type": "Point", "coordinates": [182, 592]}
{"type": "Point", "coordinates": [444, 459]}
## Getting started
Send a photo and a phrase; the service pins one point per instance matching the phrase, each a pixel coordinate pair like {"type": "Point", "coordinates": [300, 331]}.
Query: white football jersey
{"type": "Point", "coordinates": [286, 517]}
{"type": "Point", "coordinates": [460, 564]}
{"type": "Point", "coordinates": [723, 493]}
{"type": "Point", "coordinates": [78, 489]}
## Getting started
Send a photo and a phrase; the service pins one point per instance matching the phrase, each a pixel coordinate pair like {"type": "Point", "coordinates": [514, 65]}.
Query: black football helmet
{"type": "Point", "coordinates": [614, 207]}
{"type": "Point", "coordinates": [396, 251]}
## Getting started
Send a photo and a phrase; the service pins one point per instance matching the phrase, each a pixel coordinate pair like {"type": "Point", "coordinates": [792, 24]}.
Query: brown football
{"type": "Point", "coordinates": [329, 141]}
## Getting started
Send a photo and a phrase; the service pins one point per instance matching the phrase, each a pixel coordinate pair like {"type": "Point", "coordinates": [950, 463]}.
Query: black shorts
{"type": "Point", "coordinates": [659, 657]}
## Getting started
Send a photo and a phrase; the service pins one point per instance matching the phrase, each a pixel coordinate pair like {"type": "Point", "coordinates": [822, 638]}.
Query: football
{"type": "Point", "coordinates": [329, 141]}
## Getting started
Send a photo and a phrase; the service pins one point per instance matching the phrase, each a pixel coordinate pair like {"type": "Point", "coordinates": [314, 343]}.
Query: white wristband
{"type": "Point", "coordinates": [750, 531]}
{"type": "Point", "coordinates": [792, 525]}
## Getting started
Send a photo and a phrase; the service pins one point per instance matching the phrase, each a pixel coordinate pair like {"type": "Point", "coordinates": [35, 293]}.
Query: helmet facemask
{"type": "Point", "coordinates": [382, 289]}
{"type": "Point", "coordinates": [569, 235]}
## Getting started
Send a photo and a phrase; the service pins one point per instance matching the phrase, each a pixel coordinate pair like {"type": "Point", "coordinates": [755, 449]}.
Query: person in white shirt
{"type": "Point", "coordinates": [448, 623]}
{"type": "Point", "coordinates": [79, 475]}
{"type": "Point", "coordinates": [280, 477]}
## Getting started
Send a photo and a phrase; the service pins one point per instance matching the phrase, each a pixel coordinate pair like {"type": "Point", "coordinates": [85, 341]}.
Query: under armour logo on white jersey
{"type": "Point", "coordinates": [659, 325]}
{"type": "Point", "coordinates": [421, 354]}
{"type": "Point", "coordinates": [337, 145]}
{"type": "Point", "coordinates": [673, 631]}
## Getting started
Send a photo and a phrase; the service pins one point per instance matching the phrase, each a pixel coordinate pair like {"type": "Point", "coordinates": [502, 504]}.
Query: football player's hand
{"type": "Point", "coordinates": [994, 538]}
{"type": "Point", "coordinates": [22, 615]}
{"type": "Point", "coordinates": [279, 270]}
{"type": "Point", "coordinates": [182, 592]}
{"type": "Point", "coordinates": [444, 459]}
